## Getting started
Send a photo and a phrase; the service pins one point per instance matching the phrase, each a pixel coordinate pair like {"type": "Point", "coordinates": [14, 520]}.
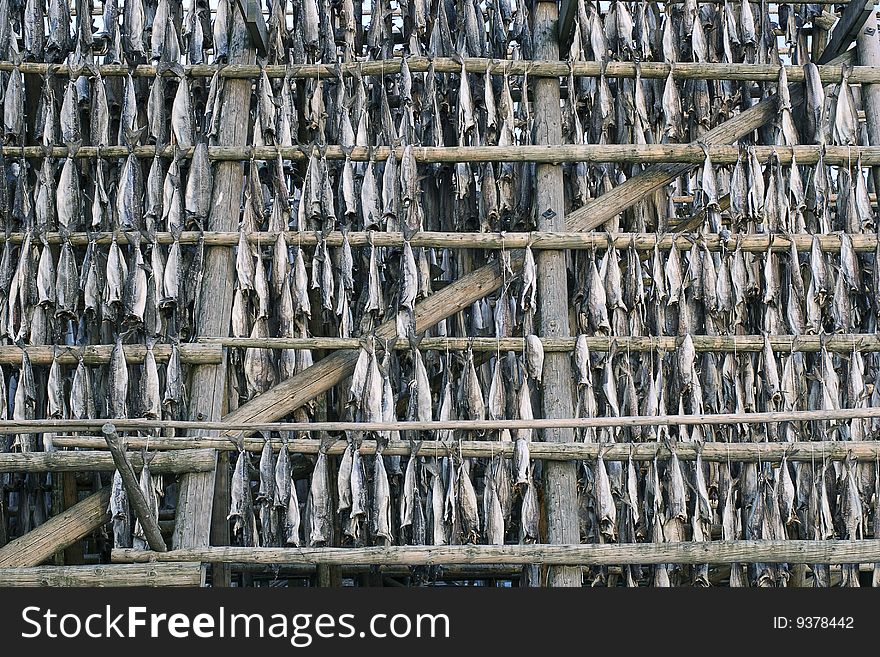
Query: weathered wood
{"type": "Point", "coordinates": [868, 45]}
{"type": "Point", "coordinates": [747, 242]}
{"type": "Point", "coordinates": [714, 552]}
{"type": "Point", "coordinates": [552, 283]}
{"type": "Point", "coordinates": [207, 383]}
{"type": "Point", "coordinates": [136, 498]}
{"type": "Point", "coordinates": [73, 554]}
{"type": "Point", "coordinates": [682, 156]}
{"type": "Point", "coordinates": [535, 68]}
{"type": "Point", "coordinates": [154, 574]}
{"type": "Point", "coordinates": [221, 573]}
{"type": "Point", "coordinates": [194, 461]}
{"type": "Point", "coordinates": [57, 533]}
{"type": "Point", "coordinates": [807, 451]}
{"type": "Point", "coordinates": [839, 343]}
{"type": "Point", "coordinates": [846, 29]}
{"type": "Point", "coordinates": [235, 427]}
{"type": "Point", "coordinates": [100, 354]}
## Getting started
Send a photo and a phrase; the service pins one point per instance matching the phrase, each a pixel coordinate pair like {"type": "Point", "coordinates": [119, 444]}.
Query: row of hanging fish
{"type": "Point", "coordinates": [59, 294]}
{"type": "Point", "coordinates": [697, 291]}
{"type": "Point", "coordinates": [431, 501]}
{"type": "Point", "coordinates": [116, 390]}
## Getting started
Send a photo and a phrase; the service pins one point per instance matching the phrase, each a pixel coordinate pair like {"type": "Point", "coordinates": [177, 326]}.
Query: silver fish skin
{"type": "Point", "coordinates": [534, 357]}
{"type": "Point", "coordinates": [118, 382]}
{"type": "Point", "coordinates": [174, 398]}
{"type": "Point", "coordinates": [267, 474]}
{"type": "Point", "coordinates": [82, 396]}
{"type": "Point", "coordinates": [381, 510]}
{"type": "Point", "coordinates": [292, 518]}
{"type": "Point", "coordinates": [46, 278]}
{"type": "Point", "coordinates": [55, 405]}
{"type": "Point", "coordinates": [68, 198]}
{"type": "Point", "coordinates": [530, 514]}
{"type": "Point", "coordinates": [259, 369]}
{"type": "Point", "coordinates": [319, 504]}
{"type": "Point", "coordinates": [150, 394]}
{"type": "Point", "coordinates": [199, 182]}
{"type": "Point", "coordinates": [181, 116]}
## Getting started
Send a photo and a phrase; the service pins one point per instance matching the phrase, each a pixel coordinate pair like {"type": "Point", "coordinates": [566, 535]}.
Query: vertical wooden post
{"type": "Point", "coordinates": [868, 44]}
{"type": "Point", "coordinates": [207, 384]}
{"type": "Point", "coordinates": [73, 555]}
{"type": "Point", "coordinates": [221, 574]}
{"type": "Point", "coordinates": [560, 477]}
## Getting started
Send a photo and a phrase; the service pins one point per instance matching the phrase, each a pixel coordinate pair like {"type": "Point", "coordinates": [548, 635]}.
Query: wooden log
{"type": "Point", "coordinates": [713, 552]}
{"type": "Point", "coordinates": [804, 451]}
{"type": "Point", "coordinates": [232, 427]}
{"type": "Point", "coordinates": [536, 69]}
{"type": "Point", "coordinates": [73, 554]}
{"type": "Point", "coordinates": [154, 574]}
{"type": "Point", "coordinates": [207, 383]}
{"type": "Point", "coordinates": [139, 503]}
{"type": "Point", "coordinates": [682, 156]}
{"type": "Point", "coordinates": [201, 460]}
{"type": "Point", "coordinates": [100, 354]}
{"type": "Point", "coordinates": [838, 343]}
{"type": "Point", "coordinates": [538, 240]}
{"type": "Point", "coordinates": [552, 283]}
{"type": "Point", "coordinates": [868, 45]}
{"type": "Point", "coordinates": [57, 533]}
{"type": "Point", "coordinates": [847, 28]}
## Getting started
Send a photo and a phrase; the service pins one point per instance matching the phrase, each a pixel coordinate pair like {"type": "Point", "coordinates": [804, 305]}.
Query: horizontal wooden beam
{"type": "Point", "coordinates": [840, 343]}
{"type": "Point", "coordinates": [57, 533]}
{"type": "Point", "coordinates": [750, 242]}
{"type": "Point", "coordinates": [808, 451]}
{"type": "Point", "coordinates": [679, 154]}
{"type": "Point", "coordinates": [478, 65]}
{"type": "Point", "coordinates": [197, 460]}
{"type": "Point", "coordinates": [100, 354]}
{"type": "Point", "coordinates": [233, 428]}
{"type": "Point", "coordinates": [153, 574]}
{"type": "Point", "coordinates": [715, 552]}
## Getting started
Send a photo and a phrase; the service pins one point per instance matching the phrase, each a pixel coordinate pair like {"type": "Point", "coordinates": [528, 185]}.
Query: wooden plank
{"type": "Point", "coordinates": [805, 451]}
{"type": "Point", "coordinates": [100, 354]}
{"type": "Point", "coordinates": [199, 460]}
{"type": "Point", "coordinates": [155, 574]}
{"type": "Point", "coordinates": [714, 552]}
{"type": "Point", "coordinates": [136, 498]}
{"type": "Point", "coordinates": [846, 29]}
{"type": "Point", "coordinates": [560, 477]}
{"type": "Point", "coordinates": [207, 383]}
{"type": "Point", "coordinates": [57, 533]}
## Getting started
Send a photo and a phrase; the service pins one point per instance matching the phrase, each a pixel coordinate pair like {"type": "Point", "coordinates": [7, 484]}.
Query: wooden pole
{"type": "Point", "coordinates": [207, 383]}
{"type": "Point", "coordinates": [200, 460]}
{"type": "Point", "coordinates": [100, 354]}
{"type": "Point", "coordinates": [714, 552]}
{"type": "Point", "coordinates": [73, 554]}
{"type": "Point", "coordinates": [803, 451]}
{"type": "Point", "coordinates": [57, 533]}
{"type": "Point", "coordinates": [235, 428]}
{"type": "Point", "coordinates": [560, 477]}
{"type": "Point", "coordinates": [135, 494]}
{"type": "Point", "coordinates": [786, 344]}
{"type": "Point", "coordinates": [117, 575]}
{"type": "Point", "coordinates": [536, 69]}
{"type": "Point", "coordinates": [683, 156]}
{"type": "Point", "coordinates": [539, 240]}
{"type": "Point", "coordinates": [868, 44]}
